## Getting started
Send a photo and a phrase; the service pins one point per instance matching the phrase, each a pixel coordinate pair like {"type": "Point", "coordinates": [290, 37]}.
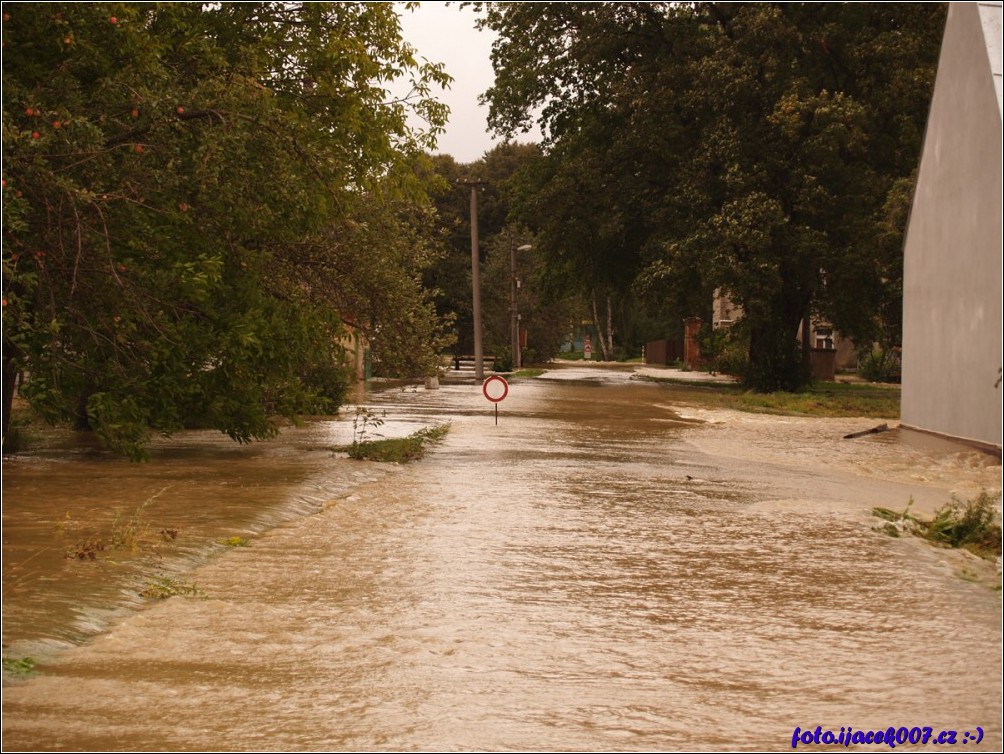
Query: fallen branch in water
{"type": "Point", "coordinates": [872, 431]}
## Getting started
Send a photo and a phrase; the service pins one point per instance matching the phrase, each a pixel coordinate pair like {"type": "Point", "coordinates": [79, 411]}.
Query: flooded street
{"type": "Point", "coordinates": [604, 569]}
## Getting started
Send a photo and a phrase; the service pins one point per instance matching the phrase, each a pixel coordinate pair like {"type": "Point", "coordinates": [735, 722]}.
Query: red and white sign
{"type": "Point", "coordinates": [495, 389]}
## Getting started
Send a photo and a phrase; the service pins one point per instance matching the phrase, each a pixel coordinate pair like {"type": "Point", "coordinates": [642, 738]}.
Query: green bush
{"type": "Point", "coordinates": [503, 360]}
{"type": "Point", "coordinates": [726, 350]}
{"type": "Point", "coordinates": [880, 365]}
{"type": "Point", "coordinates": [973, 525]}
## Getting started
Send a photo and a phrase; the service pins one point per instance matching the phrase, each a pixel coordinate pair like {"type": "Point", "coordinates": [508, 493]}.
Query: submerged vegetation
{"type": "Point", "coordinates": [163, 588]}
{"type": "Point", "coordinates": [128, 533]}
{"type": "Point", "coordinates": [235, 541]}
{"type": "Point", "coordinates": [18, 666]}
{"type": "Point", "coordinates": [396, 449]}
{"type": "Point", "coordinates": [973, 525]}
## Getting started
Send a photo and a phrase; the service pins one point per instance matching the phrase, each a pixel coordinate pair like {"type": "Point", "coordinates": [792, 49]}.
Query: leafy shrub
{"type": "Point", "coordinates": [880, 365]}
{"type": "Point", "coordinates": [726, 350]}
{"type": "Point", "coordinates": [973, 525]}
{"type": "Point", "coordinates": [503, 360]}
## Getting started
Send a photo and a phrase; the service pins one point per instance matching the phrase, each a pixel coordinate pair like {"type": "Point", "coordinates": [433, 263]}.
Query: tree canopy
{"type": "Point", "coordinates": [195, 197]}
{"type": "Point", "coordinates": [544, 313]}
{"type": "Point", "coordinates": [762, 148]}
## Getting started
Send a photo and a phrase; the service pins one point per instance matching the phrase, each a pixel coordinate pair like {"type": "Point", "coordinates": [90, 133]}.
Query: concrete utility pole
{"type": "Point", "coordinates": [517, 354]}
{"type": "Point", "coordinates": [513, 312]}
{"type": "Point", "coordinates": [479, 357]}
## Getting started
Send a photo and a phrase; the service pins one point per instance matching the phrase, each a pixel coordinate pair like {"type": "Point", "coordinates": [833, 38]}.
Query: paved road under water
{"type": "Point", "coordinates": [595, 572]}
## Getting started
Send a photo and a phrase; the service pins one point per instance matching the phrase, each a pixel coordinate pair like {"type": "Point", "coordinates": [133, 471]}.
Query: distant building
{"type": "Point", "coordinates": [952, 253]}
{"type": "Point", "coordinates": [725, 313]}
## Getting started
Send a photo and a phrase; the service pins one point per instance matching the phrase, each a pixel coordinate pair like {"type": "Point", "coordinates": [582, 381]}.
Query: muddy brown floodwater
{"type": "Point", "coordinates": [605, 569]}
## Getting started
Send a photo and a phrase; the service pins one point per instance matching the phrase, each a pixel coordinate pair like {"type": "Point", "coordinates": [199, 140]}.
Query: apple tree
{"type": "Point", "coordinates": [165, 167]}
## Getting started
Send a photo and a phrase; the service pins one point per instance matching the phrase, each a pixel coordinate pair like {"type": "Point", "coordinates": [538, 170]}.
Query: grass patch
{"type": "Point", "coordinates": [164, 588]}
{"type": "Point", "coordinates": [528, 373]}
{"type": "Point", "coordinates": [824, 399]}
{"type": "Point", "coordinates": [19, 666]}
{"type": "Point", "coordinates": [396, 450]}
{"type": "Point", "coordinates": [972, 525]}
{"type": "Point", "coordinates": [235, 542]}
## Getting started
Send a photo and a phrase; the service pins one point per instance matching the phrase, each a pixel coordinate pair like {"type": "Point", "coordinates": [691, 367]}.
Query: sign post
{"type": "Point", "coordinates": [495, 389]}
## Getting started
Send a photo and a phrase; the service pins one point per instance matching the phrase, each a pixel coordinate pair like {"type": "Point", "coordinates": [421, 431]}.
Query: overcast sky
{"type": "Point", "coordinates": [447, 35]}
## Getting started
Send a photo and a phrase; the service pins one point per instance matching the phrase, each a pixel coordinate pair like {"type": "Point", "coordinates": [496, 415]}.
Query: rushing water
{"type": "Point", "coordinates": [593, 572]}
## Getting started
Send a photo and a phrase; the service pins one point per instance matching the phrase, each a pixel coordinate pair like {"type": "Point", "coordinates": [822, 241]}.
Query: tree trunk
{"type": "Point", "coordinates": [10, 374]}
{"type": "Point", "coordinates": [776, 361]}
{"type": "Point", "coordinates": [610, 330]}
{"type": "Point", "coordinates": [599, 330]}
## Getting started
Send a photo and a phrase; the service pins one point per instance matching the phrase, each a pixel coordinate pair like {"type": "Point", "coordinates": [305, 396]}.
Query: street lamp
{"type": "Point", "coordinates": [479, 361]}
{"type": "Point", "coordinates": [517, 356]}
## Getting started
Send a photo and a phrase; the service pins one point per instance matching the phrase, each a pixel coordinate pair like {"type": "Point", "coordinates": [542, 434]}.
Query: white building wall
{"type": "Point", "coordinates": [953, 250]}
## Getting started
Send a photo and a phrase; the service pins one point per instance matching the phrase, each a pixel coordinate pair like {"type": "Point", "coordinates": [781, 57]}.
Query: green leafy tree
{"type": "Point", "coordinates": [544, 314]}
{"type": "Point", "coordinates": [498, 169]}
{"type": "Point", "coordinates": [165, 165]}
{"type": "Point", "coordinates": [450, 275]}
{"type": "Point", "coordinates": [370, 268]}
{"type": "Point", "coordinates": [758, 147]}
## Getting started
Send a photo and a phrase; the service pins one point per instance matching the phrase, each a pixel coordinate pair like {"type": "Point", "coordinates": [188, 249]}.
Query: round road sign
{"type": "Point", "coordinates": [495, 389]}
